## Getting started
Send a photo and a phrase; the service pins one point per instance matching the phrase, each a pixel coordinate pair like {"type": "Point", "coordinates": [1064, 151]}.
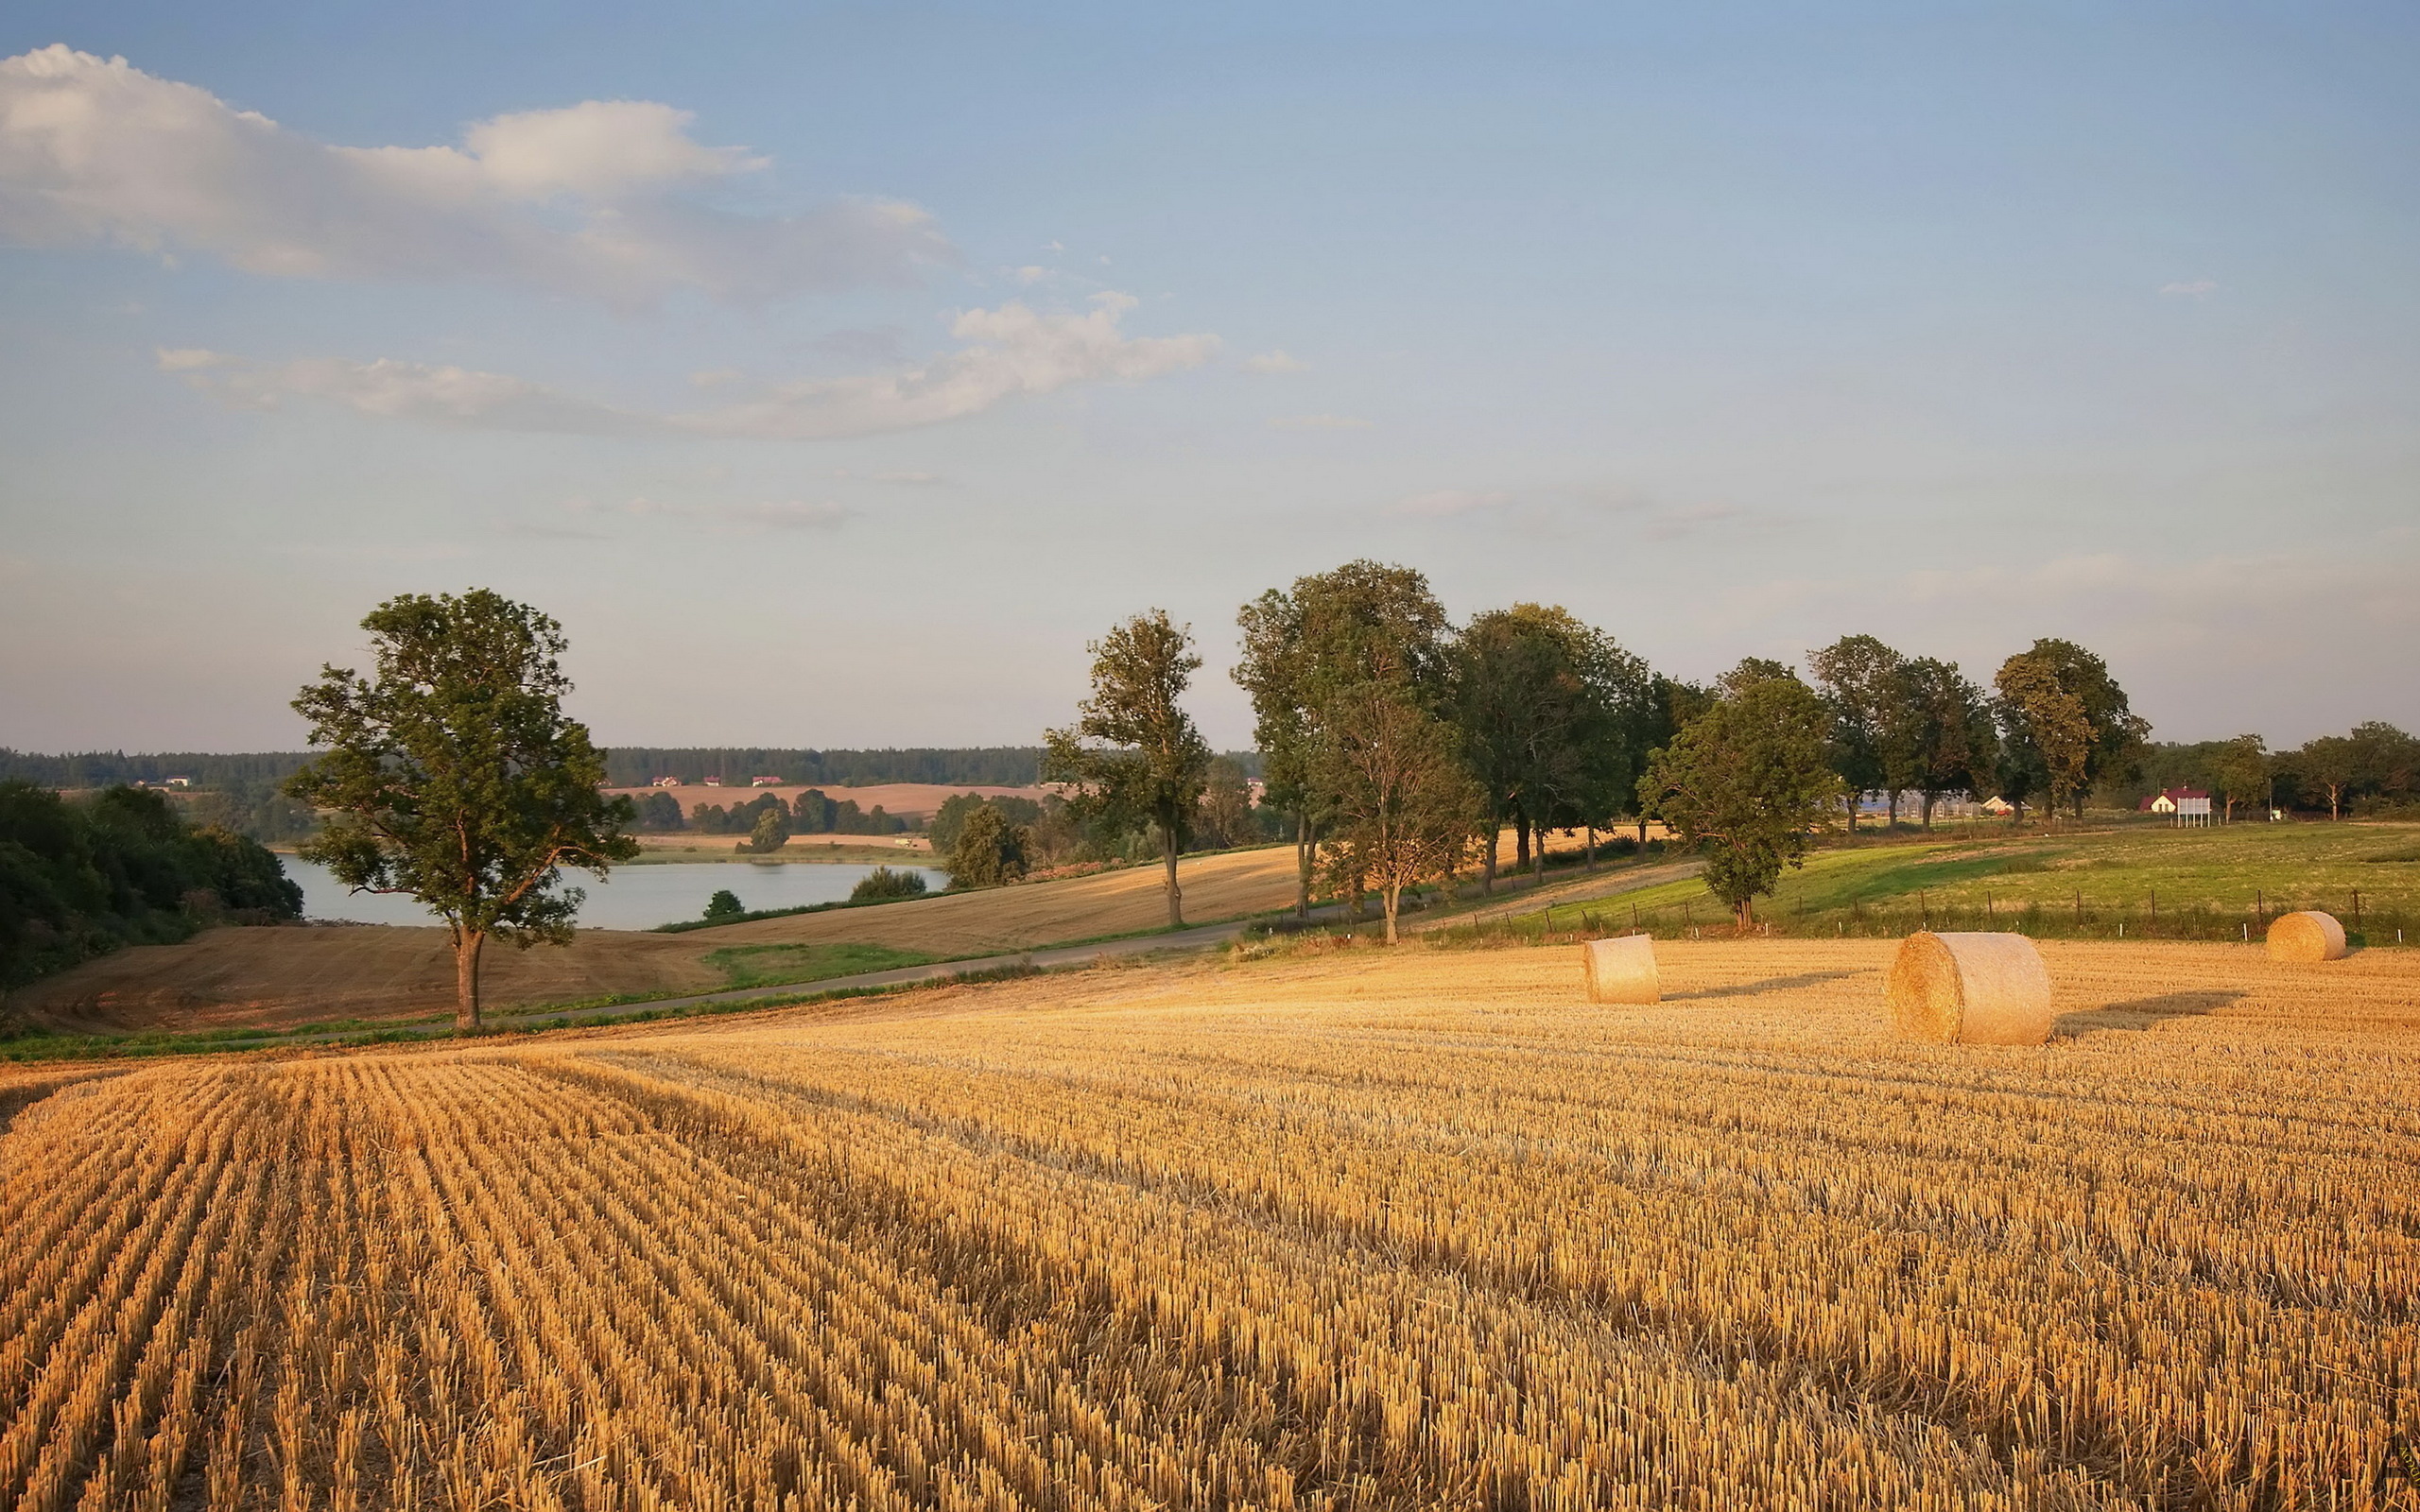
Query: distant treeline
{"type": "Point", "coordinates": [971, 767]}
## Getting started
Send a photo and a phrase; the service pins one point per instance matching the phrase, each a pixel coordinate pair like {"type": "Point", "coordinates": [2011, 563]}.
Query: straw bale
{"type": "Point", "coordinates": [2310, 936]}
{"type": "Point", "coordinates": [1970, 989]}
{"type": "Point", "coordinates": [1623, 970]}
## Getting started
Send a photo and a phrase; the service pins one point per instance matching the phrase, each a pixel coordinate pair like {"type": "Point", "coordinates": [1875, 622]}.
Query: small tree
{"type": "Point", "coordinates": [771, 830]}
{"type": "Point", "coordinates": [2330, 761]}
{"type": "Point", "coordinates": [1750, 782]}
{"type": "Point", "coordinates": [1405, 803]}
{"type": "Point", "coordinates": [2243, 772]}
{"type": "Point", "coordinates": [1134, 754]}
{"type": "Point", "coordinates": [454, 777]}
{"type": "Point", "coordinates": [2049, 723]}
{"type": "Point", "coordinates": [724, 906]}
{"type": "Point", "coordinates": [1857, 673]}
{"type": "Point", "coordinates": [989, 850]}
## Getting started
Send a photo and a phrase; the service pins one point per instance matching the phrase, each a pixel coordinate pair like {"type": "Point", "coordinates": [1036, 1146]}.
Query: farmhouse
{"type": "Point", "coordinates": [2188, 805]}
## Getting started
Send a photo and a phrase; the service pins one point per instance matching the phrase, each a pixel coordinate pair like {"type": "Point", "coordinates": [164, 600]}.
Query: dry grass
{"type": "Point", "coordinates": [278, 977]}
{"type": "Point", "coordinates": [1347, 1230]}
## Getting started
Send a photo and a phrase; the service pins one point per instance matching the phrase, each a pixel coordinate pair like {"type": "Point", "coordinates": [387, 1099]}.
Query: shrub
{"type": "Point", "coordinates": [724, 905]}
{"type": "Point", "coordinates": [884, 883]}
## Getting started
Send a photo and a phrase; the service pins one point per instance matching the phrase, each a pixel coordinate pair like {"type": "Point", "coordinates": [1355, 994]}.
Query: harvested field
{"type": "Point", "coordinates": [1341, 1228]}
{"type": "Point", "coordinates": [906, 800]}
{"type": "Point", "coordinates": [276, 977]}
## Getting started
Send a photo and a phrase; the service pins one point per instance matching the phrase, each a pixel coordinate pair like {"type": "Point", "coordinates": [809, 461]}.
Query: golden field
{"type": "Point", "coordinates": [276, 977]}
{"type": "Point", "coordinates": [1343, 1228]}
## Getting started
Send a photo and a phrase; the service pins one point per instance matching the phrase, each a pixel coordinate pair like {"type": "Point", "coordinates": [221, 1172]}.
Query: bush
{"type": "Point", "coordinates": [884, 883]}
{"type": "Point", "coordinates": [724, 905]}
{"type": "Point", "coordinates": [990, 851]}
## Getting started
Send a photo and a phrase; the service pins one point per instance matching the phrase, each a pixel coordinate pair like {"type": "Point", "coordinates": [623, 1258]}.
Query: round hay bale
{"type": "Point", "coordinates": [1622, 970]}
{"type": "Point", "coordinates": [1970, 989]}
{"type": "Point", "coordinates": [2310, 936]}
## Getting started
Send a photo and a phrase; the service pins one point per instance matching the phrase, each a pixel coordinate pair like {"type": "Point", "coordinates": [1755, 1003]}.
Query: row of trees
{"type": "Point", "coordinates": [83, 877]}
{"type": "Point", "coordinates": [2374, 768]}
{"type": "Point", "coordinates": [2053, 725]}
{"type": "Point", "coordinates": [1399, 746]}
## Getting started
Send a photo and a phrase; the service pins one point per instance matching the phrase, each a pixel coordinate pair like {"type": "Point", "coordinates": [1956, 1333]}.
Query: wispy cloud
{"type": "Point", "coordinates": [606, 199]}
{"type": "Point", "coordinates": [1008, 351]}
{"type": "Point", "coordinates": [1318, 423]}
{"type": "Point", "coordinates": [1278, 360]}
{"type": "Point", "coordinates": [2198, 289]}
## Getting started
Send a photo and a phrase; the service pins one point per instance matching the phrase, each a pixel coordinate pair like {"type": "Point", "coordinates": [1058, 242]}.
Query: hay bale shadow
{"type": "Point", "coordinates": [2141, 1013]}
{"type": "Point", "coordinates": [1771, 984]}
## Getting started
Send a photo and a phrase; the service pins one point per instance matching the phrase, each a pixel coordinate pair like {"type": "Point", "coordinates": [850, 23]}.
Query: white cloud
{"type": "Point", "coordinates": [1276, 361]}
{"type": "Point", "coordinates": [1030, 274]}
{"type": "Point", "coordinates": [1010, 352]}
{"type": "Point", "coordinates": [1449, 501]}
{"type": "Point", "coordinates": [1318, 422]}
{"type": "Point", "coordinates": [2198, 289]}
{"type": "Point", "coordinates": [604, 200]}
{"type": "Point", "coordinates": [457, 398]}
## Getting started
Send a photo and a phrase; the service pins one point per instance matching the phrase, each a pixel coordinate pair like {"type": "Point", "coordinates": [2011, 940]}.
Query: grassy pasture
{"type": "Point", "coordinates": [1348, 1229]}
{"type": "Point", "coordinates": [2208, 883]}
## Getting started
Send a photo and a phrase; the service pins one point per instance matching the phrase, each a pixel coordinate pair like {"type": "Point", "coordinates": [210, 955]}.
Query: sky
{"type": "Point", "coordinates": [834, 373]}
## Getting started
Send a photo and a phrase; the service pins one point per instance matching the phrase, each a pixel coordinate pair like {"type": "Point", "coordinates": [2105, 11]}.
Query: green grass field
{"type": "Point", "coordinates": [780, 965]}
{"type": "Point", "coordinates": [2209, 883]}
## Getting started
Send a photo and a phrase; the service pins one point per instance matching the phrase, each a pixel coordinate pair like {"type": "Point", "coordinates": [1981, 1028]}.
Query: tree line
{"type": "Point", "coordinates": [1399, 746]}
{"type": "Point", "coordinates": [766, 817]}
{"type": "Point", "coordinates": [81, 877]}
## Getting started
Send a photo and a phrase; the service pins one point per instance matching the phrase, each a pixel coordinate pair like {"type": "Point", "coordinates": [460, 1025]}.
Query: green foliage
{"type": "Point", "coordinates": [884, 883]}
{"type": "Point", "coordinates": [814, 812]}
{"type": "Point", "coordinates": [456, 778]}
{"type": "Point", "coordinates": [771, 833]}
{"type": "Point", "coordinates": [1748, 783]}
{"type": "Point", "coordinates": [990, 851]}
{"type": "Point", "coordinates": [80, 879]}
{"type": "Point", "coordinates": [660, 812]}
{"type": "Point", "coordinates": [1856, 674]}
{"type": "Point", "coordinates": [1133, 755]}
{"type": "Point", "coordinates": [2065, 725]}
{"type": "Point", "coordinates": [724, 906]}
{"type": "Point", "coordinates": [1551, 713]}
{"type": "Point", "coordinates": [944, 827]}
{"type": "Point", "coordinates": [1228, 817]}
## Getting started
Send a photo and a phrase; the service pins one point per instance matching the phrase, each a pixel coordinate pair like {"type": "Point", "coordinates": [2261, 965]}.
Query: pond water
{"type": "Point", "coordinates": [633, 897]}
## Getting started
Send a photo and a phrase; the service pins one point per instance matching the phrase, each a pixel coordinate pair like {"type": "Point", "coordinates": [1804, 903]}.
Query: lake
{"type": "Point", "coordinates": [633, 898]}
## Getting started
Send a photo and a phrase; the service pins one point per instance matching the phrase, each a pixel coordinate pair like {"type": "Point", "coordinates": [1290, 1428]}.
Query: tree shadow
{"type": "Point", "coordinates": [1771, 984]}
{"type": "Point", "coordinates": [2141, 1013]}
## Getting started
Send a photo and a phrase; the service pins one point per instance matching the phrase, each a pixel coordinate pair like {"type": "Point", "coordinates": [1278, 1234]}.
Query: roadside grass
{"type": "Point", "coordinates": [775, 965]}
{"type": "Point", "coordinates": [2135, 883]}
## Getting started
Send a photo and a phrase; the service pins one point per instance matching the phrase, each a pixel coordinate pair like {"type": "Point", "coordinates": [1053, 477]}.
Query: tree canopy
{"type": "Point", "coordinates": [1134, 752]}
{"type": "Point", "coordinates": [1749, 781]}
{"type": "Point", "coordinates": [453, 775]}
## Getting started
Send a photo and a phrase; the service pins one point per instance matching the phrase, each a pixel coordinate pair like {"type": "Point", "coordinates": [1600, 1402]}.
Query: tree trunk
{"type": "Point", "coordinates": [1393, 895]}
{"type": "Point", "coordinates": [466, 979]}
{"type": "Point", "coordinates": [1642, 830]}
{"type": "Point", "coordinates": [1304, 852]}
{"type": "Point", "coordinates": [1929, 811]}
{"type": "Point", "coordinates": [1592, 850]}
{"type": "Point", "coordinates": [1894, 810]}
{"type": "Point", "coordinates": [1747, 914]}
{"type": "Point", "coordinates": [1520, 840]}
{"type": "Point", "coordinates": [1176, 896]}
{"type": "Point", "coordinates": [1487, 866]}
{"type": "Point", "coordinates": [1853, 801]}
{"type": "Point", "coordinates": [1538, 857]}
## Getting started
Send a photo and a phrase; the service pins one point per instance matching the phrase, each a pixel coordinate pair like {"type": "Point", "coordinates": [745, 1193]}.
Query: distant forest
{"type": "Point", "coordinates": [239, 791]}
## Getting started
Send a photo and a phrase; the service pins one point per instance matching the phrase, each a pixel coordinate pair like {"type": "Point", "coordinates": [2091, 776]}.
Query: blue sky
{"type": "Point", "coordinates": [834, 373]}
